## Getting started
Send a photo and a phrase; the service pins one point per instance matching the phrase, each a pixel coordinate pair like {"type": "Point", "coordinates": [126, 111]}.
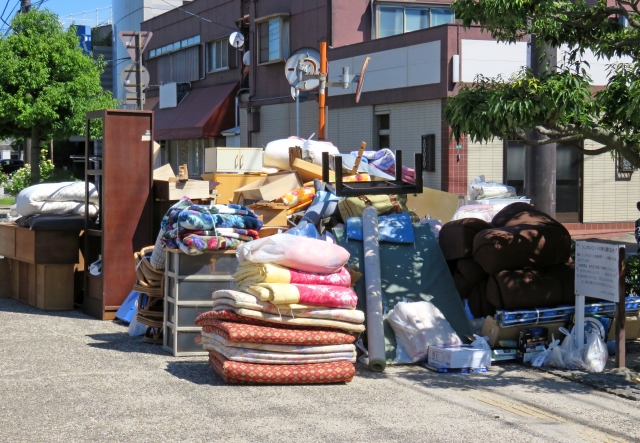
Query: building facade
{"type": "Point", "coordinates": [420, 56]}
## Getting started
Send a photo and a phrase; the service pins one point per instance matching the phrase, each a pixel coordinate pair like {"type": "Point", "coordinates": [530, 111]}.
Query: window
{"type": "Point", "coordinates": [175, 46]}
{"type": "Point", "coordinates": [429, 153]}
{"type": "Point", "coordinates": [218, 55]}
{"type": "Point", "coordinates": [383, 121]}
{"type": "Point", "coordinates": [394, 20]}
{"type": "Point", "coordinates": [273, 40]}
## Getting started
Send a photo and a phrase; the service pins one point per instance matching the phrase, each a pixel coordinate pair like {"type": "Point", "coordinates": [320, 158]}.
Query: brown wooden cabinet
{"type": "Point", "coordinates": [119, 161]}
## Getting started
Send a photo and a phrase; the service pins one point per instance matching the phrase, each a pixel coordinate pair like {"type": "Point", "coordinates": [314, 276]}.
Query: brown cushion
{"type": "Point", "coordinates": [521, 213]}
{"type": "Point", "coordinates": [456, 237]}
{"type": "Point", "coordinates": [471, 271]}
{"type": "Point", "coordinates": [522, 246]}
{"type": "Point", "coordinates": [478, 303]}
{"type": "Point", "coordinates": [462, 285]}
{"type": "Point", "coordinates": [531, 288]}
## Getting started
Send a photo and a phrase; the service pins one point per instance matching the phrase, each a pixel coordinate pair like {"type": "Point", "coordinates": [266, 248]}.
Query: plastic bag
{"type": "Point", "coordinates": [595, 353]}
{"type": "Point", "coordinates": [571, 356]}
{"type": "Point", "coordinates": [136, 328]}
{"type": "Point", "coordinates": [304, 229]}
{"type": "Point", "coordinates": [479, 188]}
{"type": "Point", "coordinates": [481, 343]}
{"type": "Point", "coordinates": [417, 326]}
{"type": "Point", "coordinates": [554, 357]}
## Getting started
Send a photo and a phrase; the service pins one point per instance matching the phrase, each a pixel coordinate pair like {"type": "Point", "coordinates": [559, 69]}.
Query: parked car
{"type": "Point", "coordinates": [10, 165]}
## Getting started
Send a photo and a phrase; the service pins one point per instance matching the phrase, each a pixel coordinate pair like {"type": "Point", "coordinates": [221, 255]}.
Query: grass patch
{"type": "Point", "coordinates": [7, 200]}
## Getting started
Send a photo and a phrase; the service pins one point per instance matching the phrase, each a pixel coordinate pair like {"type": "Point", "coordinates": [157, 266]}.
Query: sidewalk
{"type": "Point", "coordinates": [66, 377]}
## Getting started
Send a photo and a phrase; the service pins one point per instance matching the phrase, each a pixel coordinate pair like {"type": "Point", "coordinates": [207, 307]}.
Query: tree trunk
{"type": "Point", "coordinates": [35, 156]}
{"type": "Point", "coordinates": [540, 161]}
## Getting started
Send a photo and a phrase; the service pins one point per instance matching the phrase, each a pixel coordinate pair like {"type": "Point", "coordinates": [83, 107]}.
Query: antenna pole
{"type": "Point", "coordinates": [322, 97]}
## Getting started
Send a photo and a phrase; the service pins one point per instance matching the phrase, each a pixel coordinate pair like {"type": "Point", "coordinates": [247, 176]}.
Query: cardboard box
{"type": "Point", "coordinates": [268, 231]}
{"type": "Point", "coordinates": [631, 329]}
{"type": "Point", "coordinates": [531, 338]}
{"type": "Point", "coordinates": [503, 354]}
{"type": "Point", "coordinates": [228, 183]}
{"type": "Point", "coordinates": [269, 188]}
{"type": "Point", "coordinates": [440, 205]}
{"type": "Point", "coordinates": [497, 334]}
{"type": "Point", "coordinates": [194, 189]}
{"type": "Point", "coordinates": [459, 356]}
{"type": "Point", "coordinates": [272, 214]}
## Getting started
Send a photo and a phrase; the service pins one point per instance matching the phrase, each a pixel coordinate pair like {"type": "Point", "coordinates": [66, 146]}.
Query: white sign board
{"type": "Point", "coordinates": [598, 270]}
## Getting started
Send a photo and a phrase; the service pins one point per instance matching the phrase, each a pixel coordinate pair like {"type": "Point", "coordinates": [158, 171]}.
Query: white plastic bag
{"type": "Point", "coordinates": [479, 188]}
{"type": "Point", "coordinates": [136, 328]}
{"type": "Point", "coordinates": [276, 153]}
{"type": "Point", "coordinates": [312, 150]}
{"type": "Point", "coordinates": [417, 326]}
{"type": "Point", "coordinates": [595, 353]}
{"type": "Point", "coordinates": [571, 356]}
{"type": "Point", "coordinates": [554, 356]}
{"type": "Point", "coordinates": [481, 343]}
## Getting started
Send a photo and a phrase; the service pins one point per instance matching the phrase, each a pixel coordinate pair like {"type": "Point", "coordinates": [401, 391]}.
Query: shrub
{"type": "Point", "coordinates": [21, 178]}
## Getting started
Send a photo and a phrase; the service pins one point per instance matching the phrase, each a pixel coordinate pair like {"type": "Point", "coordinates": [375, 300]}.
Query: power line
{"type": "Point", "coordinates": [200, 17]}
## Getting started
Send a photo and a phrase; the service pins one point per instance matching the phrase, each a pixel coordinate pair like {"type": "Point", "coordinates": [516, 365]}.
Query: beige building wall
{"type": "Point", "coordinates": [348, 127]}
{"type": "Point", "coordinates": [279, 121]}
{"type": "Point", "coordinates": [606, 199]}
{"type": "Point", "coordinates": [485, 159]}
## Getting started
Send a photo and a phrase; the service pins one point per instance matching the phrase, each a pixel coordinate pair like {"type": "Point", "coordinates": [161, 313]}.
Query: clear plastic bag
{"type": "Point", "coordinates": [595, 353]}
{"type": "Point", "coordinates": [136, 328]}
{"type": "Point", "coordinates": [571, 356]}
{"type": "Point", "coordinates": [417, 326]}
{"type": "Point", "coordinates": [554, 355]}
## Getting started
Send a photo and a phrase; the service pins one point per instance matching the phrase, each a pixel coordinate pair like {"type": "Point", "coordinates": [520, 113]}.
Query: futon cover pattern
{"type": "Point", "coordinates": [254, 273]}
{"type": "Point", "coordinates": [314, 295]}
{"type": "Point", "coordinates": [253, 333]}
{"type": "Point", "coordinates": [237, 372]}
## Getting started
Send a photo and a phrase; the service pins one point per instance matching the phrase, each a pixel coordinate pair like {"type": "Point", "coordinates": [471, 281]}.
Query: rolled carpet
{"type": "Point", "coordinates": [532, 288]}
{"type": "Point", "coordinates": [254, 273]}
{"type": "Point", "coordinates": [319, 373]}
{"type": "Point", "coordinates": [223, 324]}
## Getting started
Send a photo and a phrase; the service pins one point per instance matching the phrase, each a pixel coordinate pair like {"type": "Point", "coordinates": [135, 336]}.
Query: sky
{"type": "Point", "coordinates": [64, 8]}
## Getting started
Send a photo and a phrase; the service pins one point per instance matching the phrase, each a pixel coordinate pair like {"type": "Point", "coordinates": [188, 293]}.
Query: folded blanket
{"type": "Point", "coordinates": [248, 232]}
{"type": "Point", "coordinates": [235, 299]}
{"type": "Point", "coordinates": [265, 319]}
{"type": "Point", "coordinates": [234, 209]}
{"type": "Point", "coordinates": [314, 295]}
{"type": "Point", "coordinates": [253, 273]}
{"type": "Point", "coordinates": [195, 244]}
{"type": "Point", "coordinates": [224, 324]}
{"type": "Point", "coordinates": [301, 253]}
{"type": "Point", "coordinates": [208, 337]}
{"type": "Point", "coordinates": [237, 372]}
{"type": "Point", "coordinates": [275, 358]}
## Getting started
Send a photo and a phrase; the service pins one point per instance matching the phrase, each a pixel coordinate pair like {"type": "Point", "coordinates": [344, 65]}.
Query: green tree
{"type": "Point", "coordinates": [558, 105]}
{"type": "Point", "coordinates": [47, 84]}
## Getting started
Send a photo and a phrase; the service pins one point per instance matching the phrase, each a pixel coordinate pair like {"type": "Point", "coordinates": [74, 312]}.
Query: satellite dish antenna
{"type": "Point", "coordinates": [361, 79]}
{"type": "Point", "coordinates": [246, 58]}
{"type": "Point", "coordinates": [303, 62]}
{"type": "Point", "coordinates": [236, 40]}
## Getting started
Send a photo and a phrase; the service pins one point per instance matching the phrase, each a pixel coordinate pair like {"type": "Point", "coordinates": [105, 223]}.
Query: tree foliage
{"type": "Point", "coordinates": [560, 104]}
{"type": "Point", "coordinates": [47, 84]}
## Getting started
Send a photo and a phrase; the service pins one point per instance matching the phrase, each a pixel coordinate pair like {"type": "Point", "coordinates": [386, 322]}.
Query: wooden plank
{"type": "Point", "coordinates": [25, 244]}
{"type": "Point", "coordinates": [164, 173]}
{"type": "Point", "coordinates": [55, 287]}
{"type": "Point", "coordinates": [32, 284]}
{"type": "Point", "coordinates": [8, 240]}
{"type": "Point", "coordinates": [5, 278]}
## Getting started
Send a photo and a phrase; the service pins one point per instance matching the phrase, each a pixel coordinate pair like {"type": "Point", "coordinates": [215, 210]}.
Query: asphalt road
{"type": "Point", "coordinates": [66, 377]}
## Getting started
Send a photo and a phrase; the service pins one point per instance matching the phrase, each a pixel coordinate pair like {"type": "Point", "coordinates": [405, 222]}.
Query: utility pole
{"type": "Point", "coordinates": [139, 71]}
{"type": "Point", "coordinates": [540, 161]}
{"type": "Point", "coordinates": [25, 6]}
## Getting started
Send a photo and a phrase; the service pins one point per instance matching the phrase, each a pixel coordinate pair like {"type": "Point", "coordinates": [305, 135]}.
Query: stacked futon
{"type": "Point", "coordinates": [291, 321]}
{"type": "Point", "coordinates": [521, 260]}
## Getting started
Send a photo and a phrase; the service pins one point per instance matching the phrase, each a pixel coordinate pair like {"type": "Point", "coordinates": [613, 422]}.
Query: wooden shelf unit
{"type": "Point", "coordinates": [123, 174]}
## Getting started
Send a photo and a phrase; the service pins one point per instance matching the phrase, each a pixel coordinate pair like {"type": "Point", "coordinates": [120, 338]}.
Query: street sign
{"type": "Point", "coordinates": [129, 40]}
{"type": "Point", "coordinates": [128, 77]}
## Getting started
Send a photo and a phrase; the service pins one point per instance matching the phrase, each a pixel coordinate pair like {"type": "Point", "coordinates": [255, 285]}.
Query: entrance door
{"type": "Point", "coordinates": [569, 164]}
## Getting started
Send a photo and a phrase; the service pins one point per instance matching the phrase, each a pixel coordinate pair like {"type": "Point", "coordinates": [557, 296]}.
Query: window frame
{"type": "Point", "coordinates": [175, 46]}
{"type": "Point", "coordinates": [222, 42]}
{"type": "Point", "coordinates": [284, 40]}
{"type": "Point", "coordinates": [405, 6]}
{"type": "Point", "coordinates": [429, 153]}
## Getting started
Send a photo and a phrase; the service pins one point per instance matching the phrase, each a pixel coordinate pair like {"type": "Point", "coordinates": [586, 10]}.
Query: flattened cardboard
{"type": "Point", "coordinates": [439, 204]}
{"type": "Point", "coordinates": [272, 214]}
{"type": "Point", "coordinates": [269, 188]}
{"type": "Point", "coordinates": [172, 191]}
{"type": "Point", "coordinates": [228, 183]}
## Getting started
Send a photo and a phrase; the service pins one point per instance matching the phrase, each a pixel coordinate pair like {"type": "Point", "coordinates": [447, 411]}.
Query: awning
{"type": "Point", "coordinates": [204, 113]}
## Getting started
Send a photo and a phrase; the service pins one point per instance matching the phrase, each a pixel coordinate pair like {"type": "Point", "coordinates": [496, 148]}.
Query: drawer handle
{"type": "Point", "coordinates": [235, 162]}
{"type": "Point", "coordinates": [241, 160]}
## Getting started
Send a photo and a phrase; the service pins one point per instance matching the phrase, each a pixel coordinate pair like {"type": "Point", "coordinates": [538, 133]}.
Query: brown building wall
{"type": "Point", "coordinates": [351, 22]}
